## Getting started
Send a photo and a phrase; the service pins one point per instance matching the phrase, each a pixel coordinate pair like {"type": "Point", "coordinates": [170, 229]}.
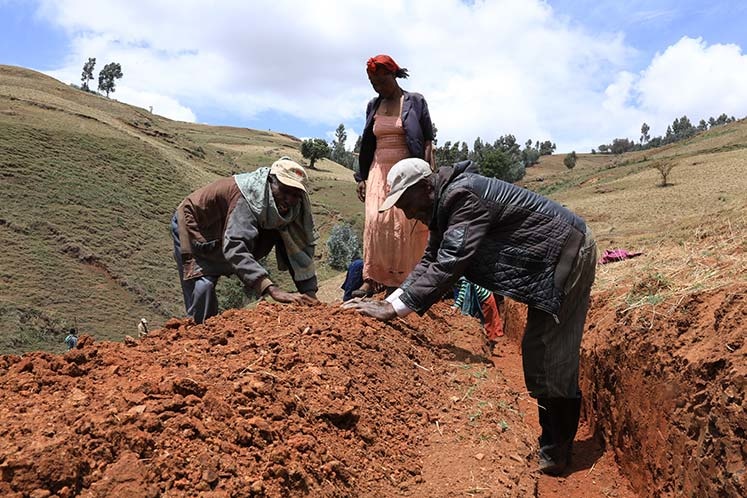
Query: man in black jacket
{"type": "Point", "coordinates": [515, 243]}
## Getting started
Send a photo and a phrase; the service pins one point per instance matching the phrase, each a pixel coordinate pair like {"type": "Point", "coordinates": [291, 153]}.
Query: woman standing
{"type": "Point", "coordinates": [398, 126]}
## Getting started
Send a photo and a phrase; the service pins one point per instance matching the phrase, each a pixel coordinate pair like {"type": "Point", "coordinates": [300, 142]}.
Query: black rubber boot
{"type": "Point", "coordinates": [556, 442]}
{"type": "Point", "coordinates": [569, 413]}
{"type": "Point", "coordinates": [543, 406]}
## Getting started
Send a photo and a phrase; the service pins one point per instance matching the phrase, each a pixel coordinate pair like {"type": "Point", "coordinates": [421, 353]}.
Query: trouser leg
{"type": "Point", "coordinates": [187, 285]}
{"type": "Point", "coordinates": [204, 300]}
{"type": "Point", "coordinates": [560, 421]}
{"type": "Point", "coordinates": [550, 355]}
{"type": "Point", "coordinates": [200, 300]}
{"type": "Point", "coordinates": [492, 318]}
{"type": "Point", "coordinates": [568, 414]}
{"type": "Point", "coordinates": [544, 407]}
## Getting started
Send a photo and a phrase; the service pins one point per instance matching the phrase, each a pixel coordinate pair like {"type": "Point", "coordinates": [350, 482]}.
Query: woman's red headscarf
{"type": "Point", "coordinates": [383, 60]}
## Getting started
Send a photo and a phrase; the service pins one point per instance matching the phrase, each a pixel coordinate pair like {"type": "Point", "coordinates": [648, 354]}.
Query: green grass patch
{"type": "Point", "coordinates": [88, 187]}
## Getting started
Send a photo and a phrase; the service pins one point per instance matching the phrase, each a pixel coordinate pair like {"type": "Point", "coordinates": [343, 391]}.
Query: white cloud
{"type": "Point", "coordinates": [160, 104]}
{"type": "Point", "coordinates": [693, 78]}
{"type": "Point", "coordinates": [486, 69]}
{"type": "Point", "coordinates": [688, 78]}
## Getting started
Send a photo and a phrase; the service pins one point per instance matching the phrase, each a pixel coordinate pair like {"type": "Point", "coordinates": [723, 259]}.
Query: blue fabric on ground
{"type": "Point", "coordinates": [353, 279]}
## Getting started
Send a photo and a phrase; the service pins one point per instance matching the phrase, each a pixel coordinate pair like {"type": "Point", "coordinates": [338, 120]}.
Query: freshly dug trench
{"type": "Point", "coordinates": [665, 387]}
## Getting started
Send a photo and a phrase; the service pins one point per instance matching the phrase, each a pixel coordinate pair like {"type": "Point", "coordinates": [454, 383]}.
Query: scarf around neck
{"type": "Point", "coordinates": [296, 228]}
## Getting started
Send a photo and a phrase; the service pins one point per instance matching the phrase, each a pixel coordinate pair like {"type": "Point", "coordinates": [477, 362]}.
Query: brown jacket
{"type": "Point", "coordinates": [219, 235]}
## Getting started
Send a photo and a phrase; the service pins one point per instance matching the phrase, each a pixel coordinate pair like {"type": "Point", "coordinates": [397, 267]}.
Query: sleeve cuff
{"type": "Point", "coordinates": [400, 308]}
{"type": "Point", "coordinates": [263, 285]}
{"type": "Point", "coordinates": [394, 295]}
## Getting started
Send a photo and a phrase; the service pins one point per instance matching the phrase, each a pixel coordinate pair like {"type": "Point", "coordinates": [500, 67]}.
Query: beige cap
{"type": "Point", "coordinates": [289, 173]}
{"type": "Point", "coordinates": [402, 176]}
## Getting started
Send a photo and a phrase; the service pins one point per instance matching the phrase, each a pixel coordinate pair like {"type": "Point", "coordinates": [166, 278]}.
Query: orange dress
{"type": "Point", "coordinates": [392, 244]}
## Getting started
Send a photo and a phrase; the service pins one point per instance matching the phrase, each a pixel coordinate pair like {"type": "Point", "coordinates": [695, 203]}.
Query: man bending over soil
{"type": "Point", "coordinates": [517, 244]}
{"type": "Point", "coordinates": [224, 228]}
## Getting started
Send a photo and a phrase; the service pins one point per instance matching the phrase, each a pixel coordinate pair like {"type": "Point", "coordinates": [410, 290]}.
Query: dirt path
{"type": "Point", "coordinates": [593, 473]}
{"type": "Point", "coordinates": [485, 443]}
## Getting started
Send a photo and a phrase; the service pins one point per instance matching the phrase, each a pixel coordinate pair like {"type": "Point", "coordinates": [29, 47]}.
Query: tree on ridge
{"type": "Point", "coordinates": [111, 72]}
{"type": "Point", "coordinates": [314, 149]}
{"type": "Point", "coordinates": [87, 74]}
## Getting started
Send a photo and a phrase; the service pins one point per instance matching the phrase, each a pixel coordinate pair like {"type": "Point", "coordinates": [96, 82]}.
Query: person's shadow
{"type": "Point", "coordinates": [585, 454]}
{"type": "Point", "coordinates": [454, 353]}
{"type": "Point", "coordinates": [461, 355]}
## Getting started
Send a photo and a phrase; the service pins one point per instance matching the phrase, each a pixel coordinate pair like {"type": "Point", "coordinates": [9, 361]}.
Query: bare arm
{"type": "Point", "coordinates": [429, 156]}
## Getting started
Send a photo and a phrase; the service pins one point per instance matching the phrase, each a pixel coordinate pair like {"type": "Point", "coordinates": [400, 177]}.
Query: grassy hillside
{"type": "Point", "coordinates": [87, 188]}
{"type": "Point", "coordinates": [693, 233]}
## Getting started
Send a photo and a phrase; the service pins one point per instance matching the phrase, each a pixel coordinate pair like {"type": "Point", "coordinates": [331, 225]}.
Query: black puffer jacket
{"type": "Point", "coordinates": [500, 236]}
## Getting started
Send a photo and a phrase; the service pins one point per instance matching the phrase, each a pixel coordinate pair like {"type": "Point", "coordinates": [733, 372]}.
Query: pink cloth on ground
{"type": "Point", "coordinates": [612, 255]}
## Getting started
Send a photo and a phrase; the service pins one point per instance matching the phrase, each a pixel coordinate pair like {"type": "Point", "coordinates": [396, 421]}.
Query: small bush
{"type": "Point", "coordinates": [343, 246]}
{"type": "Point", "coordinates": [231, 294]}
{"type": "Point", "coordinates": [664, 168]}
{"type": "Point", "coordinates": [570, 160]}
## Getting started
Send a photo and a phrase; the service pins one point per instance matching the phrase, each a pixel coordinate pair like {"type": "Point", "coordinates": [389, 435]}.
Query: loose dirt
{"type": "Point", "coordinates": [293, 401]}
{"type": "Point", "coordinates": [667, 389]}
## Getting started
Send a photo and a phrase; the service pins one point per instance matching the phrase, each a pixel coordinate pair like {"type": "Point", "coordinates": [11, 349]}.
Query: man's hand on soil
{"type": "Point", "coordinates": [310, 298]}
{"type": "Point", "coordinates": [381, 310]}
{"type": "Point", "coordinates": [290, 297]}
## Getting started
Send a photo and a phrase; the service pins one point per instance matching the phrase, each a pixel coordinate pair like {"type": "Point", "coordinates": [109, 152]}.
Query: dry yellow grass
{"type": "Point", "coordinates": [551, 167]}
{"type": "Point", "coordinates": [324, 168]}
{"type": "Point", "coordinates": [710, 256]}
{"type": "Point", "coordinates": [58, 106]}
{"type": "Point", "coordinates": [692, 233]}
{"type": "Point", "coordinates": [625, 209]}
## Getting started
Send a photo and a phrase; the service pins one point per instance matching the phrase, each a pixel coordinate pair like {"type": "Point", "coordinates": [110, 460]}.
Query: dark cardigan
{"type": "Point", "coordinates": [416, 120]}
{"type": "Point", "coordinates": [500, 236]}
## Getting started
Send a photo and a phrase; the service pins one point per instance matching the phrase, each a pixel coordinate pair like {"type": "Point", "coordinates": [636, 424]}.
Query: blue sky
{"type": "Point", "coordinates": [576, 72]}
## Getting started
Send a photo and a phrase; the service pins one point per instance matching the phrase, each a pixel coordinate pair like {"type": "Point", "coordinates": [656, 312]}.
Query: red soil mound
{"type": "Point", "coordinates": [285, 401]}
{"type": "Point", "coordinates": [274, 401]}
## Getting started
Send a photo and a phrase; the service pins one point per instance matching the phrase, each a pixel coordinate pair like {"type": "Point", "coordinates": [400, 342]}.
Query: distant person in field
{"type": "Point", "coordinates": [515, 243]}
{"type": "Point", "coordinates": [142, 328]}
{"type": "Point", "coordinates": [479, 302]}
{"type": "Point", "coordinates": [71, 340]}
{"type": "Point", "coordinates": [398, 125]}
{"type": "Point", "coordinates": [224, 229]}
